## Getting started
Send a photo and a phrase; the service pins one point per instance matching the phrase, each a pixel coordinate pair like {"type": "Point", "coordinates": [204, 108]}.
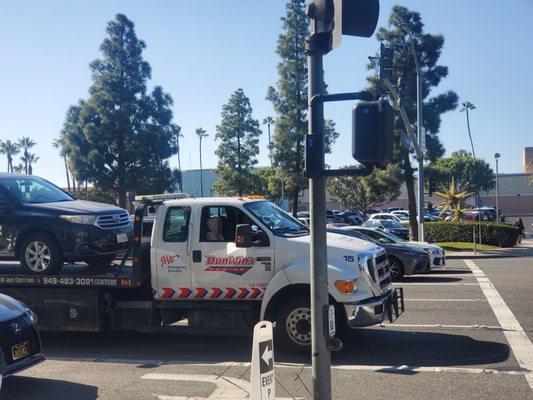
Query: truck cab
{"type": "Point", "coordinates": [225, 254]}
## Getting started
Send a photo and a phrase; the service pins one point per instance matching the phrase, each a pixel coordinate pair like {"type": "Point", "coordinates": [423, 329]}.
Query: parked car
{"type": "Point", "coordinates": [404, 259]}
{"type": "Point", "coordinates": [351, 217]}
{"type": "Point", "coordinates": [430, 217]}
{"type": "Point", "coordinates": [19, 339]}
{"type": "Point", "coordinates": [305, 220]}
{"type": "Point", "coordinates": [401, 214]}
{"type": "Point", "coordinates": [389, 226]}
{"type": "Point", "coordinates": [43, 226]}
{"type": "Point", "coordinates": [335, 221]}
{"type": "Point", "coordinates": [388, 216]}
{"type": "Point", "coordinates": [437, 254]}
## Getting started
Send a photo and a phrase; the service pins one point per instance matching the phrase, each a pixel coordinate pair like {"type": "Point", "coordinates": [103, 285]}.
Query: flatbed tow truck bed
{"type": "Point", "coordinates": [71, 275]}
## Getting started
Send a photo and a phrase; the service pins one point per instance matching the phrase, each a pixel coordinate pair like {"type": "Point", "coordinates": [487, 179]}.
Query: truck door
{"type": "Point", "coordinates": [171, 271]}
{"type": "Point", "coordinates": [221, 270]}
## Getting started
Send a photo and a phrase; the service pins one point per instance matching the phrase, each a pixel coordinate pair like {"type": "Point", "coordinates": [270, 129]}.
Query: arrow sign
{"type": "Point", "coordinates": [262, 379]}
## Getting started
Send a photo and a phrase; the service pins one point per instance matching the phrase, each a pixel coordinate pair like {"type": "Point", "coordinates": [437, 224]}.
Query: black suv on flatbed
{"type": "Point", "coordinates": [42, 226]}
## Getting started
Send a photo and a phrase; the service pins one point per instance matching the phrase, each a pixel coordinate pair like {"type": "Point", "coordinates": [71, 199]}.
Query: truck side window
{"type": "Point", "coordinates": [219, 222]}
{"type": "Point", "coordinates": [176, 226]}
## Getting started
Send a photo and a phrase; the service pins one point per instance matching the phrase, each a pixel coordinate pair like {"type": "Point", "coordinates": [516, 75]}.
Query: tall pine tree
{"type": "Point", "coordinates": [123, 132]}
{"type": "Point", "coordinates": [403, 27]}
{"type": "Point", "coordinates": [289, 99]}
{"type": "Point", "coordinates": [238, 134]}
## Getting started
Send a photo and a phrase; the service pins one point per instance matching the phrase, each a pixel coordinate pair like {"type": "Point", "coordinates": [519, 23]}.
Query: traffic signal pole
{"type": "Point", "coordinates": [316, 46]}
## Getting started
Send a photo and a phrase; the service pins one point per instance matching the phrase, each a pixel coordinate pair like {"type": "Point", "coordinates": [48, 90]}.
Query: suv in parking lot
{"type": "Point", "coordinates": [42, 226]}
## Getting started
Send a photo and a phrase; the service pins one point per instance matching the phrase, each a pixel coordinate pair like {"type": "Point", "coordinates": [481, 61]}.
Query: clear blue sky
{"type": "Point", "coordinates": [201, 51]}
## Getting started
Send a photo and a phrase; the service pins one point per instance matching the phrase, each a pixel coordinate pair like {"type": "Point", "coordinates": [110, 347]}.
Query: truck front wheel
{"type": "Point", "coordinates": [293, 325]}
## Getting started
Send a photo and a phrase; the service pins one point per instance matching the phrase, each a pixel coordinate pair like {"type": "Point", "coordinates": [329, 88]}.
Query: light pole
{"type": "Point", "coordinates": [421, 142]}
{"type": "Point", "coordinates": [497, 157]}
{"type": "Point", "coordinates": [201, 134]}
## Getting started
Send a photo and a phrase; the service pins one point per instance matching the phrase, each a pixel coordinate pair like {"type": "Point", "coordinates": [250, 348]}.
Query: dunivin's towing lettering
{"type": "Point", "coordinates": [234, 265]}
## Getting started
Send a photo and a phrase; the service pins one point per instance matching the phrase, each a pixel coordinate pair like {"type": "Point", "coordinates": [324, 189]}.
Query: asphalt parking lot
{"type": "Point", "coordinates": [466, 333]}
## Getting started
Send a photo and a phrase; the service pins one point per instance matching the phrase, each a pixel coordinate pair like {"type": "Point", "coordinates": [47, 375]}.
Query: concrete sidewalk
{"type": "Point", "coordinates": [524, 249]}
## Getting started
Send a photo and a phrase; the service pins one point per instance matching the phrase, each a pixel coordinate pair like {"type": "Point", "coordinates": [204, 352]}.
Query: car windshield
{"type": "Point", "coordinates": [275, 219]}
{"type": "Point", "coordinates": [389, 223]}
{"type": "Point", "coordinates": [34, 190]}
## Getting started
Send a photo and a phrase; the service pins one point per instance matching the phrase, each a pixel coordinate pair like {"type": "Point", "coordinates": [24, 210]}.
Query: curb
{"type": "Point", "coordinates": [478, 256]}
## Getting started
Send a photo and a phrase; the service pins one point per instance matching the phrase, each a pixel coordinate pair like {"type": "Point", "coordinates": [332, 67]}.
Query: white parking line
{"type": "Point", "coordinates": [429, 276]}
{"type": "Point", "coordinates": [517, 338]}
{"type": "Point", "coordinates": [434, 284]}
{"type": "Point", "coordinates": [372, 368]}
{"type": "Point", "coordinates": [444, 326]}
{"type": "Point", "coordinates": [448, 300]}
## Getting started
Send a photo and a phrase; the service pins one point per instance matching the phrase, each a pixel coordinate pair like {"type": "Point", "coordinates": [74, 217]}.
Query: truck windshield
{"type": "Point", "coordinates": [34, 190]}
{"type": "Point", "coordinates": [275, 219]}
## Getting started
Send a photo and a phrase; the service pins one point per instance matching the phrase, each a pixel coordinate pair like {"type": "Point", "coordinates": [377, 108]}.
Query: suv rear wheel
{"type": "Point", "coordinates": [40, 255]}
{"type": "Point", "coordinates": [293, 326]}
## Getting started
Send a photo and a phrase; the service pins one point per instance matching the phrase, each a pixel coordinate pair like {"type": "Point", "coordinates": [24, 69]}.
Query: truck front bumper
{"type": "Point", "coordinates": [375, 310]}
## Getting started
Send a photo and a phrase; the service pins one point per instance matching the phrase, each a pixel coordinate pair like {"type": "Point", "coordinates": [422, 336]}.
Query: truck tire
{"type": "Point", "coordinates": [396, 268]}
{"type": "Point", "coordinates": [39, 254]}
{"type": "Point", "coordinates": [293, 326]}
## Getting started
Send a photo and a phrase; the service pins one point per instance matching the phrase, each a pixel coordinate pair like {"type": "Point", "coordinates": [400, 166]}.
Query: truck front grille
{"type": "Point", "coordinates": [382, 267]}
{"type": "Point", "coordinates": [113, 221]}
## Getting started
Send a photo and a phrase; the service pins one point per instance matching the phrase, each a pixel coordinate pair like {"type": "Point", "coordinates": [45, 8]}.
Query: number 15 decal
{"type": "Point", "coordinates": [349, 259]}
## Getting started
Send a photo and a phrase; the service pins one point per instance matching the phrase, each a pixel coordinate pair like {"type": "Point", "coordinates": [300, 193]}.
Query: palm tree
{"type": "Point", "coordinates": [19, 168]}
{"type": "Point", "coordinates": [10, 150]}
{"type": "Point", "coordinates": [268, 121]}
{"type": "Point", "coordinates": [32, 159]}
{"type": "Point", "coordinates": [454, 200]}
{"type": "Point", "coordinates": [26, 144]}
{"type": "Point", "coordinates": [60, 144]}
{"type": "Point", "coordinates": [467, 106]}
{"type": "Point", "coordinates": [201, 134]}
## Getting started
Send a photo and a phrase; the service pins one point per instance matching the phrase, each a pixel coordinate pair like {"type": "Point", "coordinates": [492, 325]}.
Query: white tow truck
{"type": "Point", "coordinates": [215, 265]}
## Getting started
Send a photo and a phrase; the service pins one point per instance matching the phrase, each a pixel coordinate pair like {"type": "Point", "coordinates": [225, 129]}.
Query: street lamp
{"type": "Point", "coordinates": [497, 156]}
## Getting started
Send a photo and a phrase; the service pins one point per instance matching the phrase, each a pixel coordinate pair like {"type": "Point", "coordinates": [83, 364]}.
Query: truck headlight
{"type": "Point", "coordinates": [79, 219]}
{"type": "Point", "coordinates": [347, 287]}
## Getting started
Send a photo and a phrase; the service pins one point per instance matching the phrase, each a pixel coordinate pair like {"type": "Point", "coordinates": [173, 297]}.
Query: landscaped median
{"type": "Point", "coordinates": [492, 233]}
{"type": "Point", "coordinates": [496, 234]}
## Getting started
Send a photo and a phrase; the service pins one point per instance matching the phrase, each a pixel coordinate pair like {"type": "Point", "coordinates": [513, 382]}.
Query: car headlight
{"type": "Point", "coordinates": [31, 315]}
{"type": "Point", "coordinates": [435, 251]}
{"type": "Point", "coordinates": [79, 219]}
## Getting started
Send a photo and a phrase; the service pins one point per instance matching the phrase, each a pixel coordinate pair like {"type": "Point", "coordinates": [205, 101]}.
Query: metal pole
{"type": "Point", "coordinates": [420, 128]}
{"type": "Point", "coordinates": [421, 142]}
{"type": "Point", "coordinates": [321, 357]}
{"type": "Point", "coordinates": [497, 194]}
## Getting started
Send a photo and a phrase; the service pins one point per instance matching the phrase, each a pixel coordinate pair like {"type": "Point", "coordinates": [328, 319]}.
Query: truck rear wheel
{"type": "Point", "coordinates": [293, 326]}
{"type": "Point", "coordinates": [40, 255]}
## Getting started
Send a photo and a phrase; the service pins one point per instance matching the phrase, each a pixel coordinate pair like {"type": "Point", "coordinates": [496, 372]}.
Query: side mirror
{"type": "Point", "coordinates": [243, 236]}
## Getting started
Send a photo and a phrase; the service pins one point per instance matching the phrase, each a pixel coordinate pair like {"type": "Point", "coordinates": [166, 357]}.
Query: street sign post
{"type": "Point", "coordinates": [263, 381]}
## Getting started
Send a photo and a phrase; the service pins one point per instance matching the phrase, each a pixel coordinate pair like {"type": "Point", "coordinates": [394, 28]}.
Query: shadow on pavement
{"type": "Point", "coordinates": [449, 271]}
{"type": "Point", "coordinates": [21, 387]}
{"type": "Point", "coordinates": [367, 346]}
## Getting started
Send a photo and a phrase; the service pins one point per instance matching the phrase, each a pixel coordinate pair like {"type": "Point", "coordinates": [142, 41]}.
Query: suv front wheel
{"type": "Point", "coordinates": [40, 255]}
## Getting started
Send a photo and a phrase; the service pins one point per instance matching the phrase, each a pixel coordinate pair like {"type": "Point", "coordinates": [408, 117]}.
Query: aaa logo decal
{"type": "Point", "coordinates": [233, 265]}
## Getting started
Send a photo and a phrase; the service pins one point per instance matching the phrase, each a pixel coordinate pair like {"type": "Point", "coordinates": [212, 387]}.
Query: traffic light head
{"type": "Point", "coordinates": [354, 18]}
{"type": "Point", "coordinates": [372, 133]}
{"type": "Point", "coordinates": [385, 62]}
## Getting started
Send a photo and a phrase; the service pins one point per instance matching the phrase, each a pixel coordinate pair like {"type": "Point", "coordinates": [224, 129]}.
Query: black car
{"type": "Point", "coordinates": [404, 259]}
{"type": "Point", "coordinates": [351, 217]}
{"type": "Point", "coordinates": [19, 337]}
{"type": "Point", "coordinates": [388, 225]}
{"type": "Point", "coordinates": [42, 226]}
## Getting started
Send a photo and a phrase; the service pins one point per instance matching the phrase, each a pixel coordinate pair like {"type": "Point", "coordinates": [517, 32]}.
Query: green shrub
{"type": "Point", "coordinates": [492, 233]}
{"type": "Point", "coordinates": [94, 194]}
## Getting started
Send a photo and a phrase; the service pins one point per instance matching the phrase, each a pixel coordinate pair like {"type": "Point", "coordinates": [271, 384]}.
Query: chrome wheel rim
{"type": "Point", "coordinates": [394, 268]}
{"type": "Point", "coordinates": [37, 256]}
{"type": "Point", "coordinates": [298, 326]}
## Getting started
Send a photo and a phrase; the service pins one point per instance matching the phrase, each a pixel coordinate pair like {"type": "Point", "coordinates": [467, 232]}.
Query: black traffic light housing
{"type": "Point", "coordinates": [385, 62]}
{"type": "Point", "coordinates": [372, 133]}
